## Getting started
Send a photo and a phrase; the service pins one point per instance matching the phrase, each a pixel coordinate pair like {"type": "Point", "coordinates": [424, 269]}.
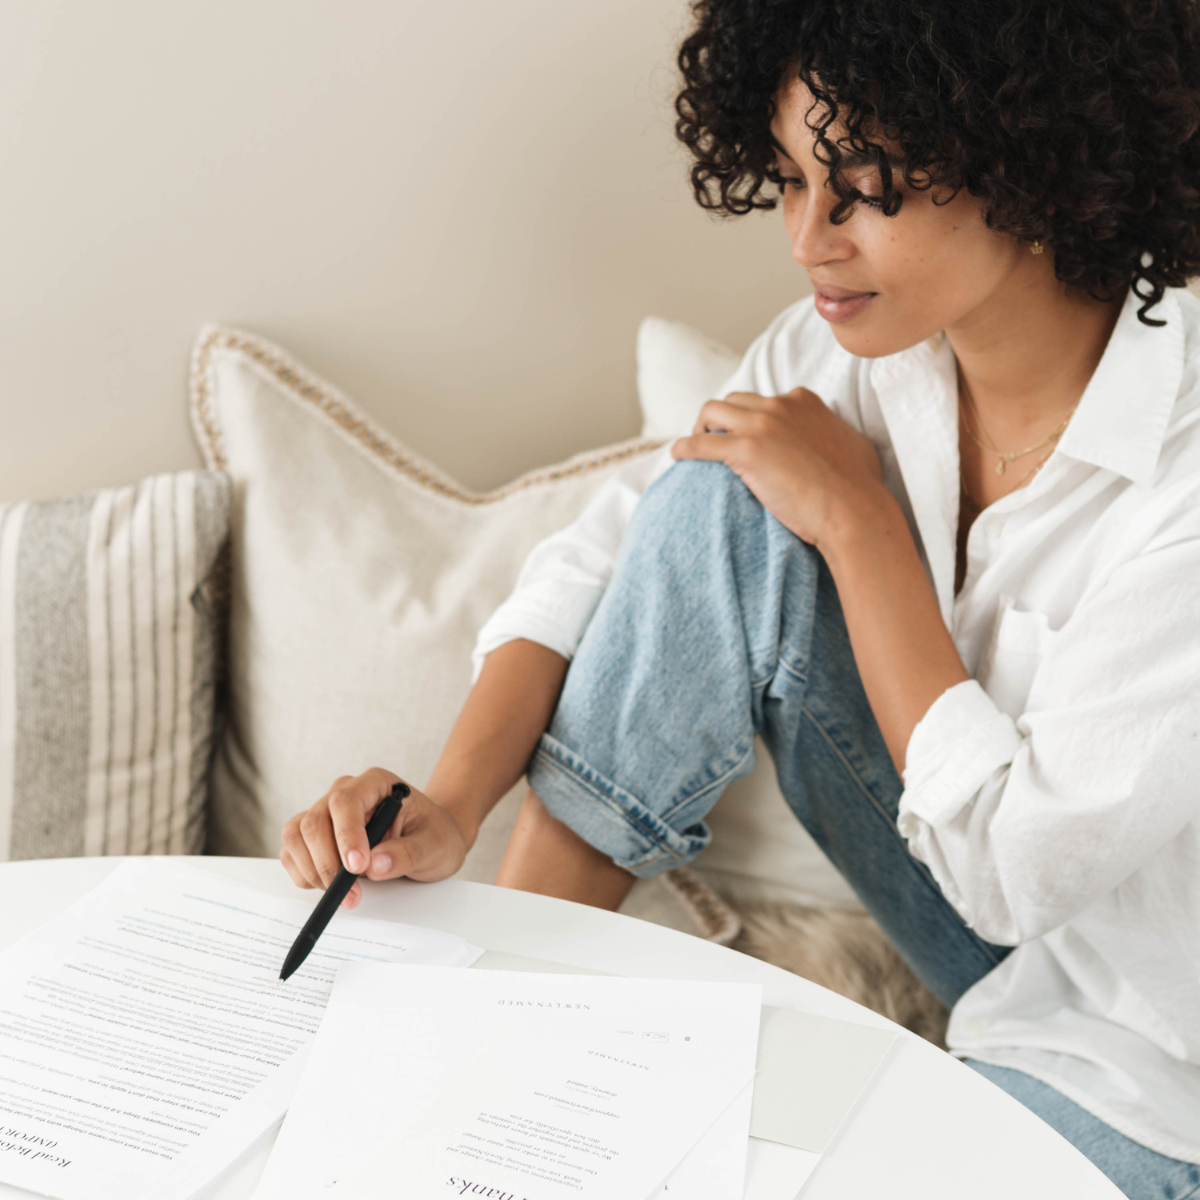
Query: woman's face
{"type": "Point", "coordinates": [887, 283]}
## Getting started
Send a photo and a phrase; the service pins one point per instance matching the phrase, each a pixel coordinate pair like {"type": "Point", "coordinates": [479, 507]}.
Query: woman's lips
{"type": "Point", "coordinates": [842, 308]}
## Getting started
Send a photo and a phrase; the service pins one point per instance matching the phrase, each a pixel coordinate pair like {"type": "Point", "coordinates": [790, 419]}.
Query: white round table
{"type": "Point", "coordinates": [928, 1128]}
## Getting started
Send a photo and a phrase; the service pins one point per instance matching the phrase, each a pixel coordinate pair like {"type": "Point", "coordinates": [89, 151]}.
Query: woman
{"type": "Point", "coordinates": [938, 543]}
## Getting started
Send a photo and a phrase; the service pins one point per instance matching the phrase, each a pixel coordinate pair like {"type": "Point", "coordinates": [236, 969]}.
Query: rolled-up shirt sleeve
{"type": "Point", "coordinates": [1025, 822]}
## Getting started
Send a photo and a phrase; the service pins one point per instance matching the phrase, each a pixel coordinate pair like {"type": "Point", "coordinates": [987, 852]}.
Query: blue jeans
{"type": "Point", "coordinates": [720, 625]}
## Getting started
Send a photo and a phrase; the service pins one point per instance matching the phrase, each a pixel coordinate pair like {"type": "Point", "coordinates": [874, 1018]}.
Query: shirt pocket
{"type": "Point", "coordinates": [1020, 640]}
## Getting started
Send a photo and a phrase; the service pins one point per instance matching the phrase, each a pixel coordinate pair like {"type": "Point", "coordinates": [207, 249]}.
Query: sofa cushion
{"type": "Point", "coordinates": [109, 652]}
{"type": "Point", "coordinates": [361, 575]}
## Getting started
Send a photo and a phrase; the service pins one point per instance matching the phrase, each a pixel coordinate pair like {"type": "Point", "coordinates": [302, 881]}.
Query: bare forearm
{"type": "Point", "coordinates": [905, 654]}
{"type": "Point", "coordinates": [490, 745]}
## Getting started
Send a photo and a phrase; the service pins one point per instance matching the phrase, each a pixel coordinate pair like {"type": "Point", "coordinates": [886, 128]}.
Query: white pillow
{"type": "Point", "coordinates": [360, 577]}
{"type": "Point", "coordinates": [678, 369]}
{"type": "Point", "coordinates": [759, 850]}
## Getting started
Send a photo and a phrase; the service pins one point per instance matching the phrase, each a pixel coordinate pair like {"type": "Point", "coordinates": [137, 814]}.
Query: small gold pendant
{"type": "Point", "coordinates": [1000, 467]}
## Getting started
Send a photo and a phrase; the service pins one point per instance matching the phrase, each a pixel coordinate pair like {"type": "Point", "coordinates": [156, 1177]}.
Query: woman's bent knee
{"type": "Point", "coordinates": [697, 496]}
{"type": "Point", "coordinates": [700, 517]}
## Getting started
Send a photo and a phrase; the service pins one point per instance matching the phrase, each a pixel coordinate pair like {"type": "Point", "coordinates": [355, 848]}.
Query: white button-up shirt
{"type": "Point", "coordinates": [1055, 795]}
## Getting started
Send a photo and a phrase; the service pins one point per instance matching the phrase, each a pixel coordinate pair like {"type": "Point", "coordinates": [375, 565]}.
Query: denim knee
{"type": "Point", "coordinates": [663, 700]}
{"type": "Point", "coordinates": [695, 497]}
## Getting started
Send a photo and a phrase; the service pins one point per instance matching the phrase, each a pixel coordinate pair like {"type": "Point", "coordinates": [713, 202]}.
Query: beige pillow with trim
{"type": "Point", "coordinates": [361, 576]}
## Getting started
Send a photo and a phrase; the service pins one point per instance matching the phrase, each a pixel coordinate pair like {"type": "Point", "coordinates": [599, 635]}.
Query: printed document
{"type": "Point", "coordinates": [146, 1041]}
{"type": "Point", "coordinates": [531, 1084]}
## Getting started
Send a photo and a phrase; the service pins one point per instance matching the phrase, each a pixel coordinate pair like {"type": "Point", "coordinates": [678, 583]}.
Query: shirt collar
{"type": "Point", "coordinates": [1123, 414]}
{"type": "Point", "coordinates": [1119, 424]}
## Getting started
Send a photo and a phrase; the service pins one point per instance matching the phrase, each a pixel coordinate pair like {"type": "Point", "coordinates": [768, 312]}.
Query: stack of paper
{"type": "Point", "coordinates": [146, 1041]}
{"type": "Point", "coordinates": [426, 1083]}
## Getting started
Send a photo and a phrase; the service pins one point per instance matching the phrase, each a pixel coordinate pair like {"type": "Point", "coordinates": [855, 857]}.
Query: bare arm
{"type": "Point", "coordinates": [905, 655]}
{"type": "Point", "coordinates": [487, 752]}
{"type": "Point", "coordinates": [490, 745]}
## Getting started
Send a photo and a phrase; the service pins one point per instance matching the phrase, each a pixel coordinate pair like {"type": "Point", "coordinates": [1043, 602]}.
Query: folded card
{"type": "Point", "coordinates": [599, 1084]}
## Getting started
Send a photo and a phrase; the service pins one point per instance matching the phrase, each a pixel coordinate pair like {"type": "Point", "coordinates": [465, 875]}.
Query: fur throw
{"type": "Point", "coordinates": [847, 953]}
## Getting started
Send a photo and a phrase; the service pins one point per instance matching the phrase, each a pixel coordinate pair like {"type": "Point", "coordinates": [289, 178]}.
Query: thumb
{"type": "Point", "coordinates": [393, 858]}
{"type": "Point", "coordinates": [427, 846]}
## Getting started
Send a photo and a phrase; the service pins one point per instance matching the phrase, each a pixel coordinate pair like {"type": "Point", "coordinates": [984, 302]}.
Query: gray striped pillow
{"type": "Point", "coordinates": [109, 642]}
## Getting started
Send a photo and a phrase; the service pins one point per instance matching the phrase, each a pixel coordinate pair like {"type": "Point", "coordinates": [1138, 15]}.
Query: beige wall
{"type": "Point", "coordinates": [456, 210]}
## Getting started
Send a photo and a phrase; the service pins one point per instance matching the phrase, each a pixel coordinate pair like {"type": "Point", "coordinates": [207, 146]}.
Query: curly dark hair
{"type": "Point", "coordinates": [1076, 120]}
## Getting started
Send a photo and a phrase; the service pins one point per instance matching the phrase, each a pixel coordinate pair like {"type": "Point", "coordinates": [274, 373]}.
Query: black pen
{"type": "Point", "coordinates": [380, 822]}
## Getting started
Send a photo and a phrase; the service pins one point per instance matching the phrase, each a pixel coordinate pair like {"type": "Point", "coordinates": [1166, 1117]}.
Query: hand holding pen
{"type": "Point", "coordinates": [424, 842]}
{"type": "Point", "coordinates": [380, 824]}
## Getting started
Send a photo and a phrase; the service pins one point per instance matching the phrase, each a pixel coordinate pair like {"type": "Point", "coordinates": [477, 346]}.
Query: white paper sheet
{"type": "Point", "coordinates": [811, 1074]}
{"type": "Point", "coordinates": [715, 1168]}
{"type": "Point", "coordinates": [392, 1036]}
{"type": "Point", "coordinates": [579, 1119]}
{"type": "Point", "coordinates": [146, 1041]}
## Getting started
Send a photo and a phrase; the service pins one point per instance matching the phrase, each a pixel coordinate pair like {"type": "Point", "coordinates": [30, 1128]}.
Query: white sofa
{"type": "Point", "coordinates": [459, 214]}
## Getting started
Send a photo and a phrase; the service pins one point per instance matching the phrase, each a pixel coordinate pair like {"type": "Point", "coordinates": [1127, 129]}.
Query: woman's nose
{"type": "Point", "coordinates": [813, 236]}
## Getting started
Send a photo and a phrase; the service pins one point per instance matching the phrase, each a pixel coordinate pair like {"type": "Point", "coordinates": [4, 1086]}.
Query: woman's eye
{"type": "Point", "coordinates": [869, 190]}
{"type": "Point", "coordinates": [775, 173]}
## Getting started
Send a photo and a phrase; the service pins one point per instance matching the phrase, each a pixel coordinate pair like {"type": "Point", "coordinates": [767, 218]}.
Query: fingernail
{"type": "Point", "coordinates": [381, 864]}
{"type": "Point", "coordinates": [355, 861]}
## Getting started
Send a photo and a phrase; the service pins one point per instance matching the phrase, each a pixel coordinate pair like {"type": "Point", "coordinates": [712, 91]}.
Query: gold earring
{"type": "Point", "coordinates": [1036, 248]}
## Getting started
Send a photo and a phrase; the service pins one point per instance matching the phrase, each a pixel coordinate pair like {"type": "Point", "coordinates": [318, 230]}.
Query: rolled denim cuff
{"type": "Point", "coordinates": [608, 817]}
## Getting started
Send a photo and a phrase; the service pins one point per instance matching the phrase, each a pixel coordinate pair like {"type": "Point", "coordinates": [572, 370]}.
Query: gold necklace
{"type": "Point", "coordinates": [1004, 457]}
{"type": "Point", "coordinates": [962, 479]}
